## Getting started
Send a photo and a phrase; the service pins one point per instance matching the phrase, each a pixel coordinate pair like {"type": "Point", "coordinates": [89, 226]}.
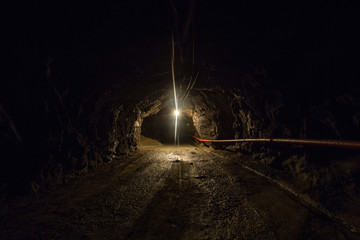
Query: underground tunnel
{"type": "Point", "coordinates": [161, 126]}
{"type": "Point", "coordinates": [269, 90]}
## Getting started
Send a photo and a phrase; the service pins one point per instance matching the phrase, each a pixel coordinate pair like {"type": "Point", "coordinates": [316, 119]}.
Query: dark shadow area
{"type": "Point", "coordinates": [161, 127]}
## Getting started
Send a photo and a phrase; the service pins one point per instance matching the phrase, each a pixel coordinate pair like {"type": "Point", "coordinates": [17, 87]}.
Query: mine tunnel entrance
{"type": "Point", "coordinates": [161, 126]}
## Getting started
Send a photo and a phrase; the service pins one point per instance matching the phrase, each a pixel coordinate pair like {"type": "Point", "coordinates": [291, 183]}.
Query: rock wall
{"type": "Point", "coordinates": [57, 121]}
{"type": "Point", "coordinates": [326, 176]}
{"type": "Point", "coordinates": [210, 112]}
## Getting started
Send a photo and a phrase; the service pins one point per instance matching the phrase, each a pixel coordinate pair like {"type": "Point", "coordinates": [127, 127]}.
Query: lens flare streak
{"type": "Point", "coordinates": [174, 85]}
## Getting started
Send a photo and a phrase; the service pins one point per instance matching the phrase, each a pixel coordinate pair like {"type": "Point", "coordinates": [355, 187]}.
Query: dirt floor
{"type": "Point", "coordinates": [167, 192]}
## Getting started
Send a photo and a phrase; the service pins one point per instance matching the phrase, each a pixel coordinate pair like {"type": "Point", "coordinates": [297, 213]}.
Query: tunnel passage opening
{"type": "Point", "coordinates": [161, 126]}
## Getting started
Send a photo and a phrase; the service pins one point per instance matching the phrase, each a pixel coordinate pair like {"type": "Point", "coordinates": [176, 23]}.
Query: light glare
{"type": "Point", "coordinates": [176, 112]}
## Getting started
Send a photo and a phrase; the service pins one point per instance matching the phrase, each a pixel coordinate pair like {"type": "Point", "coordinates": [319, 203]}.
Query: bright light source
{"type": "Point", "coordinates": [176, 112]}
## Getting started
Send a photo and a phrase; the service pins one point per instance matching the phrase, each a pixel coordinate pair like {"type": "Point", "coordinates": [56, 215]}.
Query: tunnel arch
{"type": "Point", "coordinates": [205, 113]}
{"type": "Point", "coordinates": [161, 126]}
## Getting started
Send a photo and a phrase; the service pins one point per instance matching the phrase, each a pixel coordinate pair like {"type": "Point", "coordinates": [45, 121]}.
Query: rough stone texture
{"type": "Point", "coordinates": [205, 117]}
{"type": "Point", "coordinates": [211, 114]}
{"type": "Point", "coordinates": [327, 176]}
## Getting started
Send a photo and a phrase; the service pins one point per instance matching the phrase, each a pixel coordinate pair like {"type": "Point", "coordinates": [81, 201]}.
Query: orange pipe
{"type": "Point", "coordinates": [313, 142]}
